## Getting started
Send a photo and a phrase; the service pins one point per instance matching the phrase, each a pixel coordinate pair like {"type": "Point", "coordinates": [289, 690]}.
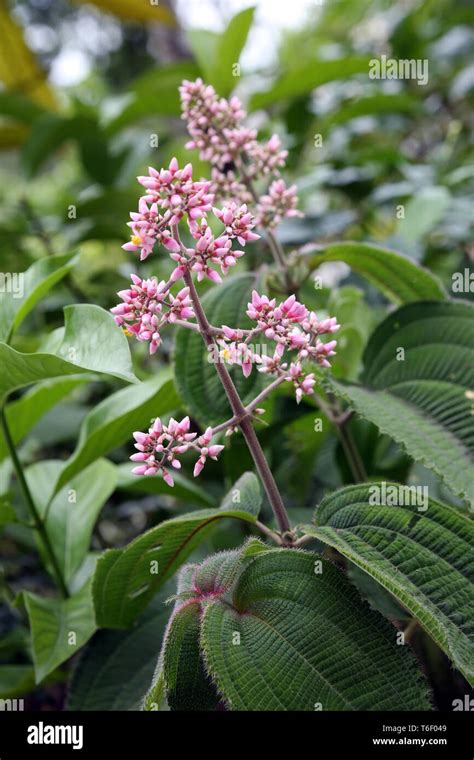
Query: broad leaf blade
{"type": "Point", "coordinates": [303, 637]}
{"type": "Point", "coordinates": [398, 278]}
{"type": "Point", "coordinates": [35, 283]}
{"type": "Point", "coordinates": [59, 628]}
{"type": "Point", "coordinates": [73, 511]}
{"type": "Point", "coordinates": [116, 667]}
{"type": "Point", "coordinates": [245, 494]}
{"type": "Point", "coordinates": [23, 413]}
{"type": "Point", "coordinates": [229, 48]}
{"type": "Point", "coordinates": [423, 558]}
{"type": "Point", "coordinates": [88, 329]}
{"type": "Point", "coordinates": [418, 380]}
{"type": "Point", "coordinates": [188, 686]}
{"type": "Point", "coordinates": [126, 579]}
{"type": "Point", "coordinates": [113, 421]}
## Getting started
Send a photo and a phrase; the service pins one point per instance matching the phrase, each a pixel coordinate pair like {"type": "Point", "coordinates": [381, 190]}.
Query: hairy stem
{"type": "Point", "coordinates": [32, 509]}
{"type": "Point", "coordinates": [241, 413]}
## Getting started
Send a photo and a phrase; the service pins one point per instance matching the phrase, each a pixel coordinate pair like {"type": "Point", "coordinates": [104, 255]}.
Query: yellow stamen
{"type": "Point", "coordinates": [136, 240]}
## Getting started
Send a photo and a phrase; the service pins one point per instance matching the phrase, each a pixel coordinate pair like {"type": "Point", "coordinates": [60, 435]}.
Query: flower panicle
{"type": "Point", "coordinates": [159, 450]}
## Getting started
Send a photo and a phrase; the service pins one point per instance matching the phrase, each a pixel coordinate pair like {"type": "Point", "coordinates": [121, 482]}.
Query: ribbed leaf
{"type": "Point", "coordinates": [126, 579]}
{"type": "Point", "coordinates": [188, 687]}
{"type": "Point", "coordinates": [180, 677]}
{"type": "Point", "coordinates": [16, 304]}
{"type": "Point", "coordinates": [307, 642]}
{"type": "Point", "coordinates": [398, 278]}
{"type": "Point", "coordinates": [424, 558]}
{"type": "Point", "coordinates": [417, 387]}
{"type": "Point", "coordinates": [196, 377]}
{"type": "Point", "coordinates": [87, 330]}
{"type": "Point", "coordinates": [113, 421]}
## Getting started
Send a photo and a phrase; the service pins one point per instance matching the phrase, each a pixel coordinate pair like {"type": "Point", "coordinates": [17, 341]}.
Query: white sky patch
{"type": "Point", "coordinates": [69, 68]}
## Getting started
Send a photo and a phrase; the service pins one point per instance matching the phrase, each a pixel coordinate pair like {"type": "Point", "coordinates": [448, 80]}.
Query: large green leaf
{"type": "Point", "coordinates": [417, 387]}
{"type": "Point", "coordinates": [23, 413]}
{"type": "Point", "coordinates": [196, 377]}
{"type": "Point", "coordinates": [113, 421]}
{"type": "Point", "coordinates": [116, 667]}
{"type": "Point", "coordinates": [245, 494]}
{"type": "Point", "coordinates": [398, 278]}
{"type": "Point", "coordinates": [71, 514]}
{"type": "Point", "coordinates": [126, 579]}
{"type": "Point", "coordinates": [180, 677]}
{"type": "Point", "coordinates": [87, 330]}
{"type": "Point", "coordinates": [59, 627]}
{"type": "Point", "coordinates": [420, 552]}
{"type": "Point", "coordinates": [304, 78]}
{"type": "Point", "coordinates": [188, 686]}
{"type": "Point", "coordinates": [225, 51]}
{"type": "Point", "coordinates": [35, 283]}
{"type": "Point", "coordinates": [306, 642]}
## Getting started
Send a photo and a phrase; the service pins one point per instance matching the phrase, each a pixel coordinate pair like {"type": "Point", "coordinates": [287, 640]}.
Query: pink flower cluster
{"type": "Point", "coordinates": [280, 202]}
{"type": "Point", "coordinates": [215, 126]}
{"type": "Point", "coordinates": [293, 328]}
{"type": "Point", "coordinates": [173, 194]}
{"type": "Point", "coordinates": [162, 446]}
{"type": "Point", "coordinates": [148, 305]}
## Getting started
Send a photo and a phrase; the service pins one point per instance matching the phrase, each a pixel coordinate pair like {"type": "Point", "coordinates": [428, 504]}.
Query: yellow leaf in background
{"type": "Point", "coordinates": [12, 136]}
{"type": "Point", "coordinates": [19, 69]}
{"type": "Point", "coordinates": [135, 10]}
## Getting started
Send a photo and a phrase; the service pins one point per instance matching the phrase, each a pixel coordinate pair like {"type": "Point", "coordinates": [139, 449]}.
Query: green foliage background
{"type": "Point", "coordinates": [385, 175]}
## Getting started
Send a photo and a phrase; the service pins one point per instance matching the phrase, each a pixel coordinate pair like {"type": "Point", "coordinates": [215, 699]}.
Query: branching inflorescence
{"type": "Point", "coordinates": [172, 195]}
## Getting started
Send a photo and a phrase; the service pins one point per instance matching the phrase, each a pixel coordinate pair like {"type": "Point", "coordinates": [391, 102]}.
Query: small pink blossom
{"type": "Point", "coordinates": [238, 222]}
{"type": "Point", "coordinates": [280, 202]}
{"type": "Point", "coordinates": [206, 451]}
{"type": "Point", "coordinates": [147, 306]}
{"type": "Point", "coordinates": [159, 449]}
